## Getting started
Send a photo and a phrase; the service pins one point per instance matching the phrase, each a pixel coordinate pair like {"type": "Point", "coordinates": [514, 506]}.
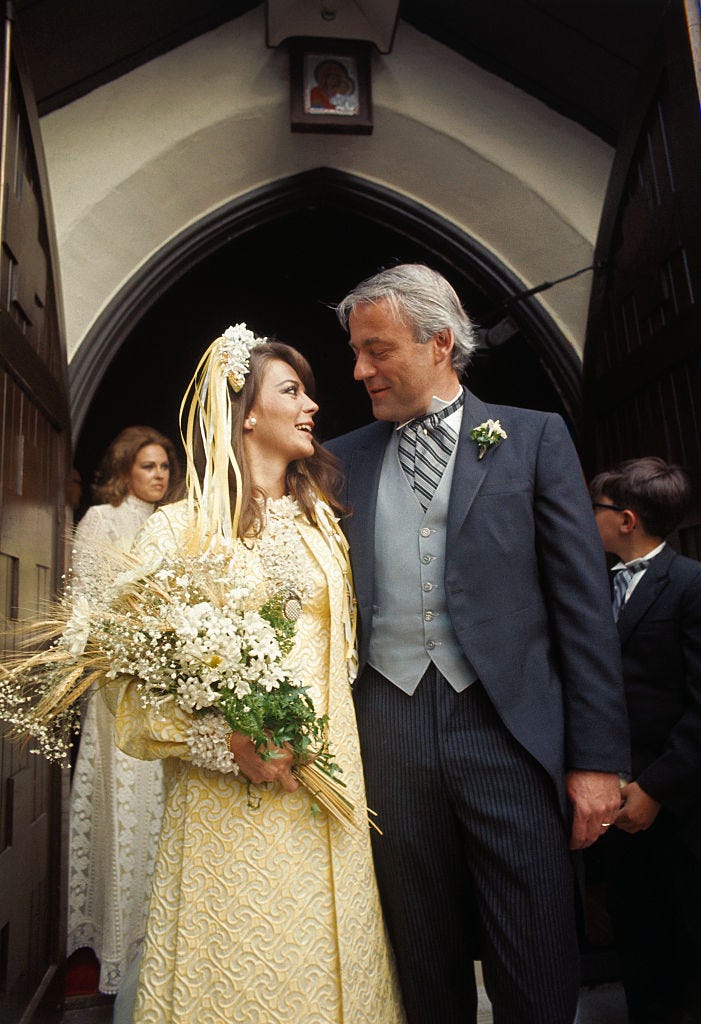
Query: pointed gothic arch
{"type": "Point", "coordinates": [446, 247]}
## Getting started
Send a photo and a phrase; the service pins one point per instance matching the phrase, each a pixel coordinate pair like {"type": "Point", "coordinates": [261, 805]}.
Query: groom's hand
{"type": "Point", "coordinates": [596, 799]}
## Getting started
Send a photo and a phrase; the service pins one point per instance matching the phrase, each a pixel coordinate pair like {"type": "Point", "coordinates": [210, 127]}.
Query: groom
{"type": "Point", "coordinates": [489, 701]}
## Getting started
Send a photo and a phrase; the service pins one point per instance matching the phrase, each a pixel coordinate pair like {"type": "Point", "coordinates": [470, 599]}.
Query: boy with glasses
{"type": "Point", "coordinates": [651, 858]}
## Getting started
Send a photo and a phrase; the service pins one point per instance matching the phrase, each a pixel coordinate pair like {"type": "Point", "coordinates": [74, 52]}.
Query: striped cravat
{"type": "Point", "coordinates": [621, 582]}
{"type": "Point", "coordinates": [425, 445]}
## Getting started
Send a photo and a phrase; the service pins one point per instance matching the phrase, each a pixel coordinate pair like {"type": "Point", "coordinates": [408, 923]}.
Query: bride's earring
{"type": "Point", "coordinates": [251, 421]}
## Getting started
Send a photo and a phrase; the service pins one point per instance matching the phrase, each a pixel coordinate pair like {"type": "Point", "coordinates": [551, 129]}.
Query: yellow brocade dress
{"type": "Point", "coordinates": [265, 916]}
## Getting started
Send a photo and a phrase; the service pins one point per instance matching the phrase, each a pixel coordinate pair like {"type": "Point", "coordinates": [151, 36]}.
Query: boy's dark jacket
{"type": "Point", "coordinates": [660, 633]}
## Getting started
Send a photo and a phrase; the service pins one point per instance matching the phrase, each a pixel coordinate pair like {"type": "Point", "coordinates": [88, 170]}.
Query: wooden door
{"type": "Point", "coordinates": [642, 366]}
{"type": "Point", "coordinates": [34, 467]}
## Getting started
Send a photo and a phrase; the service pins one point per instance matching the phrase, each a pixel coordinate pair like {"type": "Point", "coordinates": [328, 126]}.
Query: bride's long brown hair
{"type": "Point", "coordinates": [307, 479]}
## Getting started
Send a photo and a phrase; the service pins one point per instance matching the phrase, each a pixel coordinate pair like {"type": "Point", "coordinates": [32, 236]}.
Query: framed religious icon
{"type": "Point", "coordinates": [330, 86]}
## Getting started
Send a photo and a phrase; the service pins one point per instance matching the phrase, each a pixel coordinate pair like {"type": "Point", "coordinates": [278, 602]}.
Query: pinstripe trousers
{"type": "Point", "coordinates": [473, 863]}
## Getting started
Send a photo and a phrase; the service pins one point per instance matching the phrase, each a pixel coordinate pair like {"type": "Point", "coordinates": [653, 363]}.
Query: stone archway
{"type": "Point", "coordinates": [484, 283]}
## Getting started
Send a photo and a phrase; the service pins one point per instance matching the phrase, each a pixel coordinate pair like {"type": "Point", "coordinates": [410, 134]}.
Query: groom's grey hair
{"type": "Point", "coordinates": [421, 299]}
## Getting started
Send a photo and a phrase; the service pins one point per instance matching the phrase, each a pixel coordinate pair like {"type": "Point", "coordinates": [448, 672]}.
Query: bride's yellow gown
{"type": "Point", "coordinates": [266, 916]}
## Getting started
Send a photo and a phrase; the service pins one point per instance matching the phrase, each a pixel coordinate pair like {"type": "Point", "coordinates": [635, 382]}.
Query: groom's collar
{"type": "Point", "coordinates": [435, 405]}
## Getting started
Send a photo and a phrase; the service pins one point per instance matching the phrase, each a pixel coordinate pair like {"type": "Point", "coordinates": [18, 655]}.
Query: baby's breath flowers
{"type": "Point", "coordinates": [53, 738]}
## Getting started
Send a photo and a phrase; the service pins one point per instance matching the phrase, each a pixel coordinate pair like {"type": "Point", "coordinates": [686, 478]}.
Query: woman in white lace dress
{"type": "Point", "coordinates": [116, 802]}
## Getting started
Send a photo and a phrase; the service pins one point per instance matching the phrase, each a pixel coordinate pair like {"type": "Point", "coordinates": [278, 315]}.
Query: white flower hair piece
{"type": "Point", "coordinates": [234, 351]}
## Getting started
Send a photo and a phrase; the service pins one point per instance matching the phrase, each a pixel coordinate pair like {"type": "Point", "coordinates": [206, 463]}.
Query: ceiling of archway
{"type": "Point", "coordinates": [581, 57]}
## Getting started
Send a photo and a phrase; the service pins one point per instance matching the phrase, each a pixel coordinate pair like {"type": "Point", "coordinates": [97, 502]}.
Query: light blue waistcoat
{"type": "Point", "coordinates": [410, 622]}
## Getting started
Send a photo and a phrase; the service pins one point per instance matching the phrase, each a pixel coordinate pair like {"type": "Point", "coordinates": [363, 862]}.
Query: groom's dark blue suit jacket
{"type": "Point", "coordinates": [526, 583]}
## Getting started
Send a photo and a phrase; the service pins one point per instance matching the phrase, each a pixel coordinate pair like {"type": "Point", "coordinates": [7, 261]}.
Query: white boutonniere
{"type": "Point", "coordinates": [488, 435]}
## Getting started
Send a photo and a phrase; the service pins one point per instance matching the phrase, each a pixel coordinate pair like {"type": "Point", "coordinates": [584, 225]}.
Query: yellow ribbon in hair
{"type": "Point", "coordinates": [208, 401]}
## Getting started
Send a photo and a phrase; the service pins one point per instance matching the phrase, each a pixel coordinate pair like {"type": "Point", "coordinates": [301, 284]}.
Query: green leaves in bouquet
{"type": "Point", "coordinates": [273, 611]}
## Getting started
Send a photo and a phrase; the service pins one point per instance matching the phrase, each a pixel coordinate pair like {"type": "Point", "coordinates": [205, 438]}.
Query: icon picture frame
{"type": "Point", "coordinates": [330, 86]}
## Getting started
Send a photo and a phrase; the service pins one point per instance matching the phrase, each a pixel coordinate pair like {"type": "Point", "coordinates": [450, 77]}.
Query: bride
{"type": "Point", "coordinates": [269, 914]}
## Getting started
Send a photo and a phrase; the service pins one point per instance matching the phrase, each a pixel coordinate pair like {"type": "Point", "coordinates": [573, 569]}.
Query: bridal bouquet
{"type": "Point", "coordinates": [191, 638]}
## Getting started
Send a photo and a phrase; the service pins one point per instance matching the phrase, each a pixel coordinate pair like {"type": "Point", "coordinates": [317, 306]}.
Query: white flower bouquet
{"type": "Point", "coordinates": [190, 637]}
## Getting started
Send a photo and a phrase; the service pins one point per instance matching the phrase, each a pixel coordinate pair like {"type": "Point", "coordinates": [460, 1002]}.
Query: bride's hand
{"type": "Point", "coordinates": [277, 769]}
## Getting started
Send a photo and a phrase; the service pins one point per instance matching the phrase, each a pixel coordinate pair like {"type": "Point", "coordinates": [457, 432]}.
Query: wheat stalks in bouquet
{"type": "Point", "coordinates": [329, 792]}
{"type": "Point", "coordinates": [42, 692]}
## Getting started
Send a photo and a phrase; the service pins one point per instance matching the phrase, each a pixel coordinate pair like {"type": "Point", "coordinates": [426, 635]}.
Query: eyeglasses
{"type": "Point", "coordinates": [600, 504]}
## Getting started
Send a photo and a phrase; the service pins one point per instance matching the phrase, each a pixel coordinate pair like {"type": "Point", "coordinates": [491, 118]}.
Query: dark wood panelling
{"type": "Point", "coordinates": [34, 462]}
{"type": "Point", "coordinates": [642, 365]}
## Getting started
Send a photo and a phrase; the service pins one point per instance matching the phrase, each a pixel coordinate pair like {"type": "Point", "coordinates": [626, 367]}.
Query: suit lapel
{"type": "Point", "coordinates": [363, 472]}
{"type": "Point", "coordinates": [469, 471]}
{"type": "Point", "coordinates": [647, 591]}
